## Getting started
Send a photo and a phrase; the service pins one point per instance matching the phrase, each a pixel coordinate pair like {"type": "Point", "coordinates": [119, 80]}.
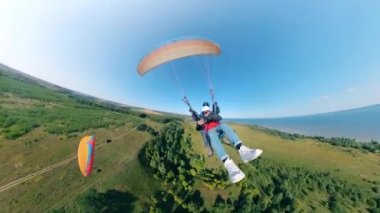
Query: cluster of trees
{"type": "Point", "coordinates": [15, 126]}
{"type": "Point", "coordinates": [92, 201]}
{"type": "Point", "coordinates": [283, 135]}
{"type": "Point", "coordinates": [147, 128]}
{"type": "Point", "coordinates": [180, 201]}
{"type": "Point", "coordinates": [271, 187]}
{"type": "Point", "coordinates": [170, 157]}
{"type": "Point", "coordinates": [372, 146]}
{"type": "Point", "coordinates": [214, 178]}
{"type": "Point", "coordinates": [69, 120]}
{"type": "Point", "coordinates": [164, 119]}
{"type": "Point", "coordinates": [93, 102]}
{"type": "Point", "coordinates": [55, 120]}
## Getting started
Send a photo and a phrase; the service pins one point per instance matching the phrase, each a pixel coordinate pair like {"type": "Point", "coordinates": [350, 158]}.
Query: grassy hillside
{"type": "Point", "coordinates": [41, 126]}
{"type": "Point", "coordinates": [354, 165]}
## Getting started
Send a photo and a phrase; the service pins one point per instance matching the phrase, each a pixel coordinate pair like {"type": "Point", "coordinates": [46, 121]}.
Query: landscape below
{"type": "Point", "coordinates": [157, 163]}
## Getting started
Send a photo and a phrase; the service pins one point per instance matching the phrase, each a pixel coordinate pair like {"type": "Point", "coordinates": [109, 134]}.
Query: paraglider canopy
{"type": "Point", "coordinates": [86, 154]}
{"type": "Point", "coordinates": [176, 50]}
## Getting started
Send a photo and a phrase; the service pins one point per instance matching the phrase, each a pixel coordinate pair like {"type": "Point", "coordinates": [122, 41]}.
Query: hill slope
{"type": "Point", "coordinates": [37, 132]}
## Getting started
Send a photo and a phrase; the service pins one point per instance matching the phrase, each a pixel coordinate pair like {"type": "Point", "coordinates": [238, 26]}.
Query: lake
{"type": "Point", "coordinates": [362, 124]}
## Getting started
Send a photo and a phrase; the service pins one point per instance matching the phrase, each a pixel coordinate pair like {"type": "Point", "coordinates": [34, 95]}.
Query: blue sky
{"type": "Point", "coordinates": [279, 58]}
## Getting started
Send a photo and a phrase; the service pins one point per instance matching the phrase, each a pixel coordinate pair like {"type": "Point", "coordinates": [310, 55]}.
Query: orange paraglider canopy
{"type": "Point", "coordinates": [176, 50]}
{"type": "Point", "coordinates": [86, 154]}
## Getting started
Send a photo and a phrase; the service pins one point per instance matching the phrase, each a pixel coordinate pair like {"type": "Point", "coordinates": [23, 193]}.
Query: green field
{"type": "Point", "coordinates": [354, 165]}
{"type": "Point", "coordinates": [41, 126]}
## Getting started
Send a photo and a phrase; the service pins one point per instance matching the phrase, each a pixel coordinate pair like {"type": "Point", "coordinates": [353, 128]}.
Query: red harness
{"type": "Point", "coordinates": [211, 125]}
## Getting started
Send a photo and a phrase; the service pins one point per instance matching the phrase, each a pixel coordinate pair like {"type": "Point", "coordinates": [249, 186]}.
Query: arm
{"type": "Point", "coordinates": [194, 114]}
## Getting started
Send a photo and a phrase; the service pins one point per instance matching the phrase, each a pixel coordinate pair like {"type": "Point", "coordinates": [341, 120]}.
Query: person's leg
{"type": "Point", "coordinates": [210, 151]}
{"type": "Point", "coordinates": [232, 136]}
{"type": "Point", "coordinates": [234, 173]}
{"type": "Point", "coordinates": [217, 145]}
{"type": "Point", "coordinates": [207, 143]}
{"type": "Point", "coordinates": [246, 154]}
{"type": "Point", "coordinates": [223, 138]}
{"type": "Point", "coordinates": [205, 138]}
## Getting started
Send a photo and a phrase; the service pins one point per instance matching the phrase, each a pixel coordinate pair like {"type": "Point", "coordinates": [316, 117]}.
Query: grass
{"type": "Point", "coordinates": [26, 106]}
{"type": "Point", "coordinates": [121, 170]}
{"type": "Point", "coordinates": [54, 124]}
{"type": "Point", "coordinates": [353, 165]}
{"type": "Point", "coordinates": [66, 181]}
{"type": "Point", "coordinates": [59, 119]}
{"type": "Point", "coordinates": [41, 127]}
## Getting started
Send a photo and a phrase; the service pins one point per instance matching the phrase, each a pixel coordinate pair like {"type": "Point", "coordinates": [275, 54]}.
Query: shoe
{"type": "Point", "coordinates": [247, 154]}
{"type": "Point", "coordinates": [234, 172]}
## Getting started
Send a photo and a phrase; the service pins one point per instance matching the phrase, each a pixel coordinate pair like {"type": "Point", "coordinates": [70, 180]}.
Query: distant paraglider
{"type": "Point", "coordinates": [86, 154]}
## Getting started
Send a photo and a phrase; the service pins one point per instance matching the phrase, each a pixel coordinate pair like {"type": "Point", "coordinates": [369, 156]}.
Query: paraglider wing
{"type": "Point", "coordinates": [86, 154]}
{"type": "Point", "coordinates": [176, 50]}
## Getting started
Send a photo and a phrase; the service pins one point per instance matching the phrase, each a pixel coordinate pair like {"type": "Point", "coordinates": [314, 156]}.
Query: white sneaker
{"type": "Point", "coordinates": [247, 154]}
{"type": "Point", "coordinates": [234, 172]}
